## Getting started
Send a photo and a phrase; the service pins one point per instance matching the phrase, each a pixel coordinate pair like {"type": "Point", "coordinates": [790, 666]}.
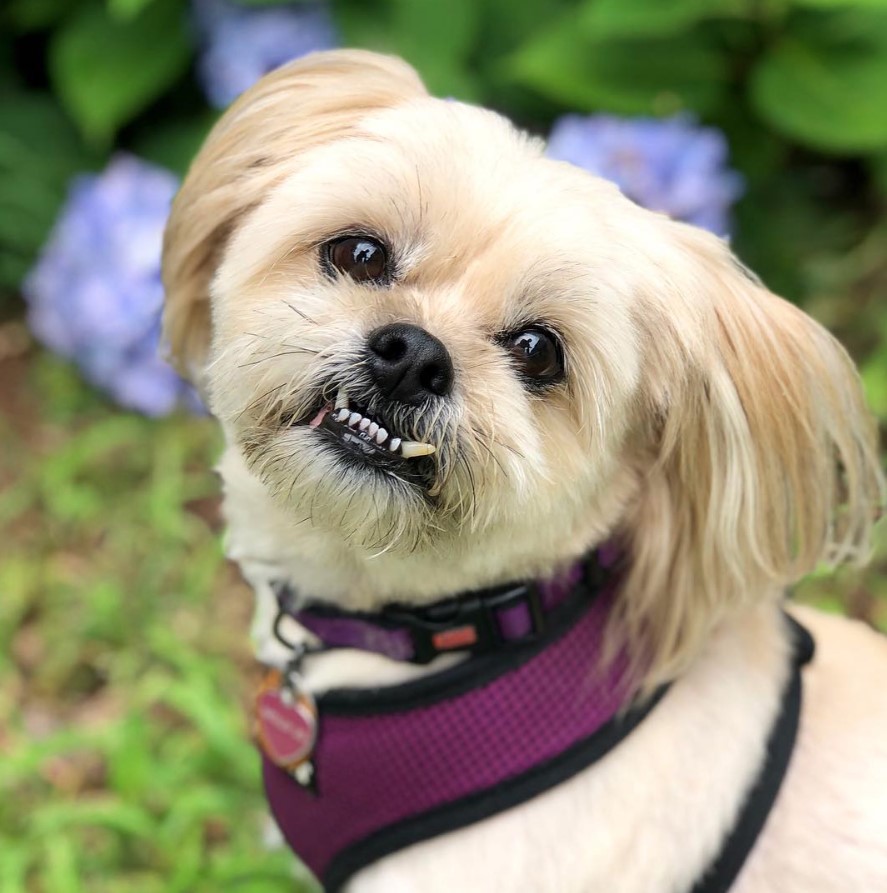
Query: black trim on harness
{"type": "Point", "coordinates": [719, 877]}
{"type": "Point", "coordinates": [725, 867]}
{"type": "Point", "coordinates": [486, 803]}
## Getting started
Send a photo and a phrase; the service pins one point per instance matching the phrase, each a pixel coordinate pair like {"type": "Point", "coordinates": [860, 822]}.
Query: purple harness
{"type": "Point", "coordinates": [398, 765]}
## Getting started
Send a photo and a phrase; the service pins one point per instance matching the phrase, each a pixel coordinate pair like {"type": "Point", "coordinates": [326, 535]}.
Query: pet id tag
{"type": "Point", "coordinates": [286, 722]}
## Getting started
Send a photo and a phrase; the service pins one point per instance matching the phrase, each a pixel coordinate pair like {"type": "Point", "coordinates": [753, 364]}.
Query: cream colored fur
{"type": "Point", "coordinates": [714, 428]}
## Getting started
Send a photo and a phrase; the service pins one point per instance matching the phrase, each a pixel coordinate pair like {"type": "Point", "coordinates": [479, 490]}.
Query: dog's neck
{"type": "Point", "coordinates": [478, 622]}
{"type": "Point", "coordinates": [270, 547]}
{"type": "Point", "coordinates": [262, 535]}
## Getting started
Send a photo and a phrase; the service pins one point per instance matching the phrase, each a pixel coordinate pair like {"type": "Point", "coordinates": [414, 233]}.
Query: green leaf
{"type": "Point", "coordinates": [507, 24]}
{"type": "Point", "coordinates": [107, 71]}
{"type": "Point", "coordinates": [823, 84]}
{"type": "Point", "coordinates": [437, 38]}
{"type": "Point", "coordinates": [629, 77]}
{"type": "Point", "coordinates": [14, 862]}
{"type": "Point", "coordinates": [879, 171]}
{"type": "Point", "coordinates": [126, 9]}
{"type": "Point", "coordinates": [874, 380]}
{"type": "Point", "coordinates": [100, 811]}
{"type": "Point", "coordinates": [32, 15]}
{"type": "Point", "coordinates": [39, 152]}
{"type": "Point", "coordinates": [173, 142]}
{"type": "Point", "coordinates": [606, 19]}
{"type": "Point", "coordinates": [446, 30]}
{"type": "Point", "coordinates": [60, 873]}
{"type": "Point", "coordinates": [843, 4]}
{"type": "Point", "coordinates": [130, 773]}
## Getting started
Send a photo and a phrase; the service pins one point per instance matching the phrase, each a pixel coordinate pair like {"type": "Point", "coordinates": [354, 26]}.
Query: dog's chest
{"type": "Point", "coordinates": [647, 817]}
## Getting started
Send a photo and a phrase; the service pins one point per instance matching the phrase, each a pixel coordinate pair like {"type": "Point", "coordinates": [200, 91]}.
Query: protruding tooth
{"type": "Point", "coordinates": [342, 414]}
{"type": "Point", "coordinates": [364, 424]}
{"type": "Point", "coordinates": [410, 449]}
{"type": "Point", "coordinates": [373, 429]}
{"type": "Point", "coordinates": [381, 436]}
{"type": "Point", "coordinates": [341, 399]}
{"type": "Point", "coordinates": [353, 419]}
{"type": "Point", "coordinates": [395, 443]}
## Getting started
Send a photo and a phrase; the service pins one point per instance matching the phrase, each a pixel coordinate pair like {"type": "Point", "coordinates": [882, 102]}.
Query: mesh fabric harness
{"type": "Point", "coordinates": [398, 765]}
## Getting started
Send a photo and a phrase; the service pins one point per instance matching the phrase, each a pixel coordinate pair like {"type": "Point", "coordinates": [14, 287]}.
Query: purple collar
{"type": "Point", "coordinates": [477, 622]}
{"type": "Point", "coordinates": [393, 766]}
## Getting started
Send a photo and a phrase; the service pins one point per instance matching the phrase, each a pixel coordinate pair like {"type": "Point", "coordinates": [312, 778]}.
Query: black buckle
{"type": "Point", "coordinates": [468, 623]}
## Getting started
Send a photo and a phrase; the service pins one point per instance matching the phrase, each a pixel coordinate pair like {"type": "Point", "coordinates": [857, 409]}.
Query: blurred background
{"type": "Point", "coordinates": [125, 762]}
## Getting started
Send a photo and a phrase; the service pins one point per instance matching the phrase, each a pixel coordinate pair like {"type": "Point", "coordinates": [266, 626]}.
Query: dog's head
{"type": "Point", "coordinates": [432, 345]}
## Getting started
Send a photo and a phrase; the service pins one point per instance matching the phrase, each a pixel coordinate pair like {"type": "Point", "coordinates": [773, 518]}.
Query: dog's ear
{"type": "Point", "coordinates": [255, 144]}
{"type": "Point", "coordinates": [763, 455]}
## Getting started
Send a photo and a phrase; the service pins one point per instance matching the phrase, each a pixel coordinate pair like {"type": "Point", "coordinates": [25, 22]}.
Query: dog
{"type": "Point", "coordinates": [560, 370]}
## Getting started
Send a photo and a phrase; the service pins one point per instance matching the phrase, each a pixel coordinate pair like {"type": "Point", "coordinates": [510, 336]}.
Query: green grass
{"type": "Point", "coordinates": [125, 755]}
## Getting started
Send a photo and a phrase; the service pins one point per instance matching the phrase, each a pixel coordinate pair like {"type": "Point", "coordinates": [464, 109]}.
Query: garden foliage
{"type": "Point", "coordinates": [795, 86]}
{"type": "Point", "coordinates": [125, 762]}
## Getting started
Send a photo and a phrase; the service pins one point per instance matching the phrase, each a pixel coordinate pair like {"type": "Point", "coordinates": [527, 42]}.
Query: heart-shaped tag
{"type": "Point", "coordinates": [286, 724]}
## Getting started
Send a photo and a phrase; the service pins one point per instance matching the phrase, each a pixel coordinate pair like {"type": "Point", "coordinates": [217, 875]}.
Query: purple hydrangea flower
{"type": "Point", "coordinates": [671, 165]}
{"type": "Point", "coordinates": [95, 294]}
{"type": "Point", "coordinates": [240, 44]}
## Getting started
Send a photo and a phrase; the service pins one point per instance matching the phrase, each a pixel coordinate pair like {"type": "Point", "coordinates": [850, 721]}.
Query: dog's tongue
{"type": "Point", "coordinates": [320, 416]}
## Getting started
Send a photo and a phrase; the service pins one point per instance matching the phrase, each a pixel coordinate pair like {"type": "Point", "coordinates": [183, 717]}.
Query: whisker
{"type": "Point", "coordinates": [283, 353]}
{"type": "Point", "coordinates": [492, 455]}
{"type": "Point", "coordinates": [258, 400]}
{"type": "Point", "coordinates": [301, 313]}
{"type": "Point", "coordinates": [510, 448]}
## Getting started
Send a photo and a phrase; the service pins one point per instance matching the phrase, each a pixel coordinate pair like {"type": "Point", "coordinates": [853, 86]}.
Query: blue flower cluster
{"type": "Point", "coordinates": [240, 44]}
{"type": "Point", "coordinates": [671, 165]}
{"type": "Point", "coordinates": [95, 294]}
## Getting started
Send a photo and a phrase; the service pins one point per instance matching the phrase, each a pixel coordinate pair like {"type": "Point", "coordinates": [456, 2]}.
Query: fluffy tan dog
{"type": "Point", "coordinates": [588, 369]}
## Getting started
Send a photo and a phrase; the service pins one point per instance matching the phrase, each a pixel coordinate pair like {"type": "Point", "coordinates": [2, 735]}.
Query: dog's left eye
{"type": "Point", "coordinates": [361, 258]}
{"type": "Point", "coordinates": [537, 355]}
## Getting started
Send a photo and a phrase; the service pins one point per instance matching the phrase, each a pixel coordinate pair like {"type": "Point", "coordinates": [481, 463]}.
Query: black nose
{"type": "Point", "coordinates": [408, 364]}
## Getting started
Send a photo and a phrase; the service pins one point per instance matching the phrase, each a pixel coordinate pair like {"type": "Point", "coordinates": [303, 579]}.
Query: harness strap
{"type": "Point", "coordinates": [479, 622]}
{"type": "Point", "coordinates": [725, 869]}
{"type": "Point", "coordinates": [369, 804]}
{"type": "Point", "coordinates": [486, 803]}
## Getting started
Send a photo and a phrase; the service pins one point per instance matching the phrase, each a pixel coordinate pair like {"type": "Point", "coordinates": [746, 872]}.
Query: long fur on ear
{"type": "Point", "coordinates": [763, 457]}
{"type": "Point", "coordinates": [255, 145]}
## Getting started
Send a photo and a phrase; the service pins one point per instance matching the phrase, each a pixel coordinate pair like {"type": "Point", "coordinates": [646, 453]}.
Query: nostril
{"type": "Point", "coordinates": [408, 364]}
{"type": "Point", "coordinates": [391, 348]}
{"type": "Point", "coordinates": [436, 379]}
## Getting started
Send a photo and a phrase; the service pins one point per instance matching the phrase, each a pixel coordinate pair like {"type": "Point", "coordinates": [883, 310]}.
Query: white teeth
{"type": "Point", "coordinates": [410, 449]}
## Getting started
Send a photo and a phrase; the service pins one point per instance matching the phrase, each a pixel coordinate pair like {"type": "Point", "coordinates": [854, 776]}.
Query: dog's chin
{"type": "Point", "coordinates": [333, 476]}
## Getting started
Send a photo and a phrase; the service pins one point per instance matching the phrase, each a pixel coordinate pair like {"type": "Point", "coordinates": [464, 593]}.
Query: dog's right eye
{"type": "Point", "coordinates": [536, 354]}
{"type": "Point", "coordinates": [361, 258]}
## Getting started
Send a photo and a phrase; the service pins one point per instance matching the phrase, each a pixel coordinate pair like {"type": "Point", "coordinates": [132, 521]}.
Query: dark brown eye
{"type": "Point", "coordinates": [361, 258]}
{"type": "Point", "coordinates": [536, 355]}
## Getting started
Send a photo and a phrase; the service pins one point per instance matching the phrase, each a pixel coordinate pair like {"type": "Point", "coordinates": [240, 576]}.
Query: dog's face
{"type": "Point", "coordinates": [431, 283]}
{"type": "Point", "coordinates": [430, 343]}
